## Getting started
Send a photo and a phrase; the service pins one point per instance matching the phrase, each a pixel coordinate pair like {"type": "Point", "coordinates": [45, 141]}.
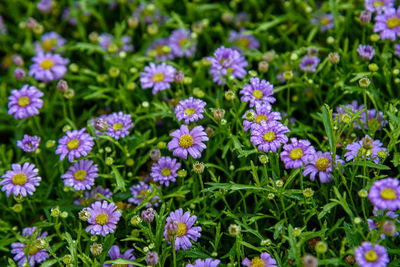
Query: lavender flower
{"type": "Point", "coordinates": [152, 258]}
{"type": "Point", "coordinates": [366, 51]}
{"type": "Point", "coordinates": [309, 64]}
{"type": "Point", "coordinates": [160, 49]}
{"type": "Point", "coordinates": [50, 42]}
{"type": "Point", "coordinates": [190, 110]}
{"type": "Point", "coordinates": [119, 124]}
{"type": "Point", "coordinates": [265, 259]}
{"type": "Point", "coordinates": [375, 225]}
{"type": "Point", "coordinates": [185, 229]}
{"type": "Point", "coordinates": [297, 153]}
{"type": "Point", "coordinates": [388, 24]}
{"type": "Point", "coordinates": [374, 119]}
{"type": "Point", "coordinates": [182, 44]}
{"type": "Point", "coordinates": [243, 40]}
{"type": "Point", "coordinates": [93, 196]}
{"type": "Point", "coordinates": [29, 144]}
{"type": "Point", "coordinates": [397, 50]}
{"type": "Point", "coordinates": [185, 141]}
{"type": "Point", "coordinates": [268, 136]}
{"type": "Point", "coordinates": [107, 40]}
{"type": "Point", "coordinates": [262, 113]}
{"type": "Point", "coordinates": [75, 144]}
{"type": "Point", "coordinates": [115, 254]}
{"type": "Point", "coordinates": [227, 61]}
{"type": "Point", "coordinates": [157, 77]}
{"type": "Point", "coordinates": [209, 262]}
{"type": "Point", "coordinates": [385, 194]}
{"type": "Point", "coordinates": [20, 180]}
{"type": "Point", "coordinates": [258, 91]}
{"type": "Point", "coordinates": [140, 192]}
{"type": "Point", "coordinates": [321, 163]}
{"type": "Point", "coordinates": [371, 255]}
{"type": "Point", "coordinates": [325, 21]}
{"type": "Point", "coordinates": [164, 171]}
{"type": "Point", "coordinates": [367, 147]}
{"type": "Point", "coordinates": [103, 218]}
{"type": "Point", "coordinates": [44, 6]}
{"type": "Point", "coordinates": [25, 102]}
{"type": "Point", "coordinates": [48, 67]}
{"type": "Point", "coordinates": [378, 5]}
{"type": "Point", "coordinates": [148, 215]}
{"type": "Point", "coordinates": [81, 175]}
{"type": "Point", "coordinates": [147, 15]}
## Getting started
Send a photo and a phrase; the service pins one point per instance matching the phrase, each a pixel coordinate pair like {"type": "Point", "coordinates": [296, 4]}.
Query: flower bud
{"type": "Point", "coordinates": [84, 215]}
{"type": "Point", "coordinates": [308, 192]}
{"type": "Point", "coordinates": [100, 124]}
{"type": "Point", "coordinates": [389, 228]}
{"type": "Point", "coordinates": [263, 66]}
{"type": "Point", "coordinates": [218, 114]}
{"type": "Point", "coordinates": [182, 173]}
{"type": "Point", "coordinates": [365, 17]}
{"type": "Point", "coordinates": [309, 261]}
{"type": "Point", "coordinates": [179, 76]}
{"type": "Point", "coordinates": [198, 167]}
{"type": "Point", "coordinates": [19, 74]}
{"type": "Point", "coordinates": [321, 247]}
{"type": "Point", "coordinates": [155, 154]}
{"type": "Point", "coordinates": [364, 82]}
{"type": "Point", "coordinates": [55, 212]}
{"type": "Point", "coordinates": [148, 215]}
{"type": "Point", "coordinates": [333, 57]}
{"type": "Point", "coordinates": [136, 220]}
{"type": "Point", "coordinates": [62, 86]}
{"type": "Point", "coordinates": [152, 258]}
{"type": "Point", "coordinates": [234, 229]}
{"type": "Point", "coordinates": [230, 95]}
{"type": "Point", "coordinates": [96, 249]}
{"type": "Point", "coordinates": [17, 208]}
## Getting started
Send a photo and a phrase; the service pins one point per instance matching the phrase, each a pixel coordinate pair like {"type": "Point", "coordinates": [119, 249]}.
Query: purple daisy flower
{"type": "Point", "coordinates": [262, 113]}
{"type": "Point", "coordinates": [147, 15]}
{"type": "Point", "coordinates": [81, 175]}
{"type": "Point", "coordinates": [48, 67]}
{"type": "Point", "coordinates": [374, 120]}
{"type": "Point", "coordinates": [93, 196]}
{"type": "Point", "coordinates": [366, 51]}
{"type": "Point", "coordinates": [158, 51]}
{"type": "Point", "coordinates": [321, 163]}
{"type": "Point", "coordinates": [29, 144]}
{"type": "Point", "coordinates": [269, 136]}
{"type": "Point", "coordinates": [44, 6]}
{"type": "Point", "coordinates": [190, 109]}
{"type": "Point", "coordinates": [209, 262]}
{"type": "Point", "coordinates": [36, 255]}
{"type": "Point", "coordinates": [325, 21]}
{"type": "Point", "coordinates": [185, 229]}
{"type": "Point", "coordinates": [388, 24]}
{"type": "Point", "coordinates": [372, 225]}
{"type": "Point", "coordinates": [25, 102]}
{"type": "Point", "coordinates": [107, 39]}
{"type": "Point", "coordinates": [227, 61]}
{"type": "Point", "coordinates": [265, 259]}
{"type": "Point", "coordinates": [185, 141]}
{"type": "Point", "coordinates": [378, 5]}
{"type": "Point", "coordinates": [371, 255]}
{"type": "Point", "coordinates": [243, 40]}
{"type": "Point", "coordinates": [297, 153]}
{"type": "Point", "coordinates": [182, 44]}
{"type": "Point", "coordinates": [140, 192]}
{"type": "Point", "coordinates": [164, 171]}
{"type": "Point", "coordinates": [309, 64]}
{"type": "Point", "coordinates": [157, 77]}
{"type": "Point", "coordinates": [258, 91]}
{"type": "Point", "coordinates": [397, 50]}
{"type": "Point", "coordinates": [385, 194]}
{"type": "Point", "coordinates": [103, 218]}
{"type": "Point", "coordinates": [367, 147]}
{"type": "Point", "coordinates": [75, 144]}
{"type": "Point", "coordinates": [119, 124]}
{"type": "Point", "coordinates": [50, 42]}
{"type": "Point", "coordinates": [115, 253]}
{"type": "Point", "coordinates": [20, 180]}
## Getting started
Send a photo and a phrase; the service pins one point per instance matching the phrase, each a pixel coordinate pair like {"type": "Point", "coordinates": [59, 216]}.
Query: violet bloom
{"type": "Point", "coordinates": [147, 15]}
{"type": "Point", "coordinates": [106, 40]}
{"type": "Point", "coordinates": [268, 136]}
{"type": "Point", "coordinates": [29, 144]}
{"type": "Point", "coordinates": [325, 21]}
{"type": "Point", "coordinates": [209, 262]}
{"type": "Point", "coordinates": [258, 91]}
{"type": "Point", "coordinates": [262, 113]}
{"type": "Point", "coordinates": [81, 175]}
{"type": "Point", "coordinates": [164, 171]}
{"type": "Point", "coordinates": [380, 213]}
{"type": "Point", "coordinates": [182, 44]}
{"type": "Point", "coordinates": [75, 144]}
{"type": "Point", "coordinates": [185, 230]}
{"type": "Point", "coordinates": [309, 64]}
{"type": "Point", "coordinates": [374, 119]}
{"type": "Point", "coordinates": [19, 74]}
{"type": "Point", "coordinates": [388, 24]}
{"type": "Point", "coordinates": [243, 40]}
{"type": "Point", "coordinates": [103, 218]}
{"type": "Point", "coordinates": [115, 254]}
{"type": "Point", "coordinates": [50, 42]}
{"type": "Point", "coordinates": [157, 77]}
{"type": "Point", "coordinates": [371, 255]}
{"type": "Point", "coordinates": [36, 255]}
{"type": "Point", "coordinates": [227, 61]}
{"type": "Point", "coordinates": [348, 109]}
{"type": "Point", "coordinates": [93, 196]}
{"type": "Point", "coordinates": [265, 259]}
{"type": "Point", "coordinates": [48, 67]}
{"type": "Point", "coordinates": [20, 180]}
{"type": "Point", "coordinates": [297, 154]}
{"type": "Point", "coordinates": [185, 141]}
{"type": "Point", "coordinates": [397, 50]}
{"type": "Point", "coordinates": [119, 124]}
{"type": "Point", "coordinates": [151, 258]}
{"type": "Point", "coordinates": [366, 51]}
{"type": "Point", "coordinates": [140, 192]}
{"type": "Point", "coordinates": [321, 164]}
{"type": "Point", "coordinates": [378, 5]}
{"type": "Point", "coordinates": [365, 148]}
{"type": "Point", "coordinates": [25, 102]}
{"type": "Point", "coordinates": [385, 194]}
{"type": "Point", "coordinates": [44, 6]}
{"type": "Point", "coordinates": [160, 49]}
{"type": "Point", "coordinates": [190, 110]}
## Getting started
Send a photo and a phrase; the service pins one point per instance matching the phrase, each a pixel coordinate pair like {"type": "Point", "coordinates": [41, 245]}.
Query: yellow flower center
{"type": "Point", "coordinates": [182, 230]}
{"type": "Point", "coordinates": [80, 175]}
{"type": "Point", "coordinates": [183, 41]}
{"type": "Point", "coordinates": [118, 126]}
{"type": "Point", "coordinates": [189, 111]}
{"type": "Point", "coordinates": [388, 194]}
{"type": "Point", "coordinates": [325, 21]}
{"type": "Point", "coordinates": [23, 101]}
{"type": "Point", "coordinates": [243, 42]}
{"type": "Point", "coordinates": [366, 152]}
{"type": "Point", "coordinates": [48, 44]}
{"type": "Point", "coordinates": [33, 250]}
{"type": "Point", "coordinates": [261, 118]}
{"type": "Point", "coordinates": [257, 262]}
{"type": "Point", "coordinates": [73, 144]}
{"type": "Point", "coordinates": [269, 136]}
{"type": "Point", "coordinates": [144, 192]}
{"type": "Point", "coordinates": [322, 164]}
{"type": "Point", "coordinates": [371, 255]}
{"type": "Point", "coordinates": [378, 4]}
{"type": "Point", "coordinates": [19, 179]}
{"type": "Point", "coordinates": [257, 94]}
{"type": "Point", "coordinates": [296, 153]}
{"type": "Point", "coordinates": [46, 64]}
{"type": "Point", "coordinates": [166, 172]}
{"type": "Point", "coordinates": [393, 22]}
{"type": "Point", "coordinates": [186, 141]}
{"type": "Point", "coordinates": [159, 50]}
{"type": "Point", "coordinates": [158, 77]}
{"type": "Point", "coordinates": [102, 219]}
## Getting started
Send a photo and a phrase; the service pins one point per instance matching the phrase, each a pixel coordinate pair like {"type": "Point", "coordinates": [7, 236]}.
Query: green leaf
{"type": "Point", "coordinates": [119, 180]}
{"type": "Point", "coordinates": [327, 121]}
{"type": "Point", "coordinates": [326, 209]}
{"type": "Point", "coordinates": [369, 164]}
